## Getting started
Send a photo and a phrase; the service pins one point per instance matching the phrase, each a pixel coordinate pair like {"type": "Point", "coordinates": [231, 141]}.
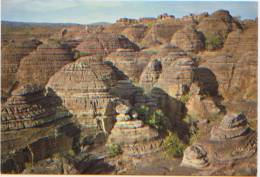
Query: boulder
{"type": "Point", "coordinates": [195, 156]}
{"type": "Point", "coordinates": [231, 126]}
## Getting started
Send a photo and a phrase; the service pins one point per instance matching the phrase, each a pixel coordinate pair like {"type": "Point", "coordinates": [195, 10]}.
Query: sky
{"type": "Point", "coordinates": [86, 11]}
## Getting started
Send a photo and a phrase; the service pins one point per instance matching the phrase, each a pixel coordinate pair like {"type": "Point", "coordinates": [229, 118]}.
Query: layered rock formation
{"type": "Point", "coordinates": [195, 156]}
{"type": "Point", "coordinates": [232, 126]}
{"type": "Point", "coordinates": [41, 64]}
{"type": "Point", "coordinates": [188, 39]}
{"type": "Point", "coordinates": [128, 61]}
{"type": "Point", "coordinates": [19, 113]}
{"type": "Point", "coordinates": [141, 139]}
{"type": "Point", "coordinates": [135, 33]}
{"type": "Point", "coordinates": [12, 55]}
{"type": "Point", "coordinates": [33, 127]}
{"type": "Point", "coordinates": [216, 28]}
{"type": "Point", "coordinates": [161, 32]}
{"type": "Point", "coordinates": [150, 75]}
{"type": "Point", "coordinates": [177, 77]}
{"type": "Point", "coordinates": [104, 43]}
{"type": "Point", "coordinates": [83, 86]}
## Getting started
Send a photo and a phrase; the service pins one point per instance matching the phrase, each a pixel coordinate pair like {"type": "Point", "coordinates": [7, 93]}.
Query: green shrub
{"type": "Point", "coordinates": [173, 145]}
{"type": "Point", "coordinates": [185, 98]}
{"type": "Point", "coordinates": [155, 119]}
{"type": "Point", "coordinates": [114, 150]}
{"type": "Point", "coordinates": [213, 42]}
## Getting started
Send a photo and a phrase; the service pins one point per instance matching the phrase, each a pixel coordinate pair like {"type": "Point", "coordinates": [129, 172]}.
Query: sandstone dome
{"type": "Point", "coordinates": [104, 43]}
{"type": "Point", "coordinates": [12, 54]}
{"type": "Point", "coordinates": [29, 107]}
{"type": "Point", "coordinates": [41, 64]}
{"type": "Point", "coordinates": [83, 86]}
{"type": "Point", "coordinates": [135, 33]}
{"type": "Point", "coordinates": [130, 62]}
{"type": "Point", "coordinates": [188, 39]}
{"type": "Point", "coordinates": [177, 77]}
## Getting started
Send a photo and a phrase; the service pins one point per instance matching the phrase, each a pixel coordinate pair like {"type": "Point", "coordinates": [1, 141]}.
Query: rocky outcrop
{"type": "Point", "coordinates": [83, 86]}
{"type": "Point", "coordinates": [150, 75]}
{"type": "Point", "coordinates": [41, 64]}
{"type": "Point", "coordinates": [195, 156]}
{"type": "Point", "coordinates": [130, 62]}
{"type": "Point", "coordinates": [12, 54]}
{"type": "Point", "coordinates": [188, 39]}
{"type": "Point", "coordinates": [232, 126]}
{"type": "Point", "coordinates": [141, 139]}
{"type": "Point", "coordinates": [103, 44]}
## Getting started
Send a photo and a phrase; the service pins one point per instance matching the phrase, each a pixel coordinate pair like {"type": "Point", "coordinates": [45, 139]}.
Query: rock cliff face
{"type": "Point", "coordinates": [12, 54]}
{"type": "Point", "coordinates": [41, 64]}
{"type": "Point", "coordinates": [104, 43]}
{"type": "Point", "coordinates": [33, 128]}
{"type": "Point", "coordinates": [83, 86]}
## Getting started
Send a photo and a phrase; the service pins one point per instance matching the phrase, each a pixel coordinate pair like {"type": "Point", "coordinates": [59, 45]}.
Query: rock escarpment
{"type": "Point", "coordinates": [83, 86]}
{"type": "Point", "coordinates": [41, 64]}
{"type": "Point", "coordinates": [135, 33]}
{"type": "Point", "coordinates": [141, 139]}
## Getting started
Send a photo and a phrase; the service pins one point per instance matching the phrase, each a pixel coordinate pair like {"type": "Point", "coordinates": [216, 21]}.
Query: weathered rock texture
{"type": "Point", "coordinates": [188, 39]}
{"type": "Point", "coordinates": [135, 33]}
{"type": "Point", "coordinates": [141, 139]}
{"type": "Point", "coordinates": [177, 77]}
{"type": "Point", "coordinates": [195, 156]}
{"type": "Point", "coordinates": [33, 127]}
{"type": "Point", "coordinates": [130, 62]}
{"type": "Point", "coordinates": [161, 32]}
{"type": "Point", "coordinates": [83, 87]}
{"type": "Point", "coordinates": [41, 64]}
{"type": "Point", "coordinates": [12, 55]}
{"type": "Point", "coordinates": [104, 43]}
{"type": "Point", "coordinates": [216, 27]}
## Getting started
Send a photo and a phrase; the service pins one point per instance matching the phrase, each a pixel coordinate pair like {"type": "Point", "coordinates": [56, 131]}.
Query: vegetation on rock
{"type": "Point", "coordinates": [114, 150]}
{"type": "Point", "coordinates": [173, 145]}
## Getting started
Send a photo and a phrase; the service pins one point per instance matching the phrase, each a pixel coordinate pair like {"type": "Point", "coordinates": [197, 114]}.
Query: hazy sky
{"type": "Point", "coordinates": [85, 11]}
